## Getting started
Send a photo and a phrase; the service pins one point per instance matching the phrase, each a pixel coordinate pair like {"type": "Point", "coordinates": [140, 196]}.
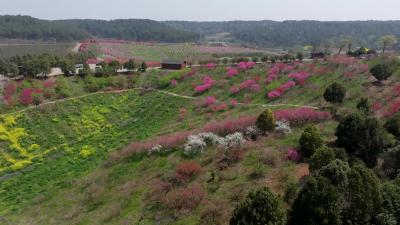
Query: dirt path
{"type": "Point", "coordinates": [76, 47]}
{"type": "Point", "coordinates": [150, 89]}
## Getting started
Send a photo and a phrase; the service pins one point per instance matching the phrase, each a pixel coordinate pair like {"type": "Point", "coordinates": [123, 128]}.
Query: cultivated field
{"type": "Point", "coordinates": [9, 48]}
{"type": "Point", "coordinates": [156, 52]}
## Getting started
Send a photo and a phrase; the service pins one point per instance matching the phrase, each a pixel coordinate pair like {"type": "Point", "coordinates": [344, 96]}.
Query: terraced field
{"type": "Point", "coordinates": [156, 52]}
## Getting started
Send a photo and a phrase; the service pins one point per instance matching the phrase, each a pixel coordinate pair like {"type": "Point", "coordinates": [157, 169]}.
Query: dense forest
{"type": "Point", "coordinates": [261, 33]}
{"type": "Point", "coordinates": [25, 27]}
{"type": "Point", "coordinates": [297, 33]}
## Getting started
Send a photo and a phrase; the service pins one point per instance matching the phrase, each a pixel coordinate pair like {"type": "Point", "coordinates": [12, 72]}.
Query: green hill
{"type": "Point", "coordinates": [25, 27]}
{"type": "Point", "coordinates": [69, 161]}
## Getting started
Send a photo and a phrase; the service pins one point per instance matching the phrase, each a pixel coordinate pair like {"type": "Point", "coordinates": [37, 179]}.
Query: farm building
{"type": "Point", "coordinates": [173, 64]}
{"type": "Point", "coordinates": [318, 55]}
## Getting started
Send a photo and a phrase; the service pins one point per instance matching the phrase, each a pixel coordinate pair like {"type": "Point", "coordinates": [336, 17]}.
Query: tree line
{"type": "Point", "coordinates": [29, 66]}
{"type": "Point", "coordinates": [25, 27]}
{"type": "Point", "coordinates": [297, 33]}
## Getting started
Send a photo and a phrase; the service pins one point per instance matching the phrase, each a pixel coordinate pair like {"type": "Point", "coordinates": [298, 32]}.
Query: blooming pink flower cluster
{"type": "Point", "coordinates": [288, 68]}
{"type": "Point", "coordinates": [209, 101]}
{"type": "Point", "coordinates": [250, 85]}
{"type": "Point", "coordinates": [302, 115]}
{"type": "Point", "coordinates": [342, 60]}
{"type": "Point", "coordinates": [230, 126]}
{"type": "Point", "coordinates": [9, 90]}
{"type": "Point", "coordinates": [231, 72]}
{"type": "Point", "coordinates": [393, 108]}
{"type": "Point", "coordinates": [50, 83]}
{"type": "Point", "coordinates": [274, 71]}
{"type": "Point", "coordinates": [174, 83]}
{"type": "Point", "coordinates": [191, 73]}
{"type": "Point", "coordinates": [246, 65]}
{"type": "Point", "coordinates": [293, 155]}
{"type": "Point", "coordinates": [168, 141]}
{"type": "Point", "coordinates": [219, 107]}
{"type": "Point", "coordinates": [208, 83]}
{"type": "Point", "coordinates": [235, 90]}
{"type": "Point", "coordinates": [280, 90]}
{"type": "Point", "coordinates": [26, 97]}
{"type": "Point", "coordinates": [211, 65]}
{"type": "Point", "coordinates": [348, 74]}
{"type": "Point", "coordinates": [234, 102]}
{"type": "Point", "coordinates": [376, 106]}
{"type": "Point", "coordinates": [396, 90]}
{"type": "Point", "coordinates": [300, 77]}
{"type": "Point", "coordinates": [322, 70]}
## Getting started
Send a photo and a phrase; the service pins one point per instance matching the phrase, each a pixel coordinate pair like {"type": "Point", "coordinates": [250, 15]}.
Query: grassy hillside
{"type": "Point", "coordinates": [50, 144]}
{"type": "Point", "coordinates": [56, 167]}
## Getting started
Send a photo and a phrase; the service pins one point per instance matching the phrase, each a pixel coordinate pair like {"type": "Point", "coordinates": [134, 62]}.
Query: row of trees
{"type": "Point", "coordinates": [32, 65]}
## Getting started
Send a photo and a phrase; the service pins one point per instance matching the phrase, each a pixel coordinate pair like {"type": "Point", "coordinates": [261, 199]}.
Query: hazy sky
{"type": "Point", "coordinates": [206, 10]}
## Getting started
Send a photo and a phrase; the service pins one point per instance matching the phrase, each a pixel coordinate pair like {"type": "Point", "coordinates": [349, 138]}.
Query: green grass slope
{"type": "Point", "coordinates": [53, 156]}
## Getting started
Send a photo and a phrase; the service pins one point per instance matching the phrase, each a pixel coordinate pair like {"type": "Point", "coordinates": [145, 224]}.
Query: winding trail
{"type": "Point", "coordinates": [149, 89]}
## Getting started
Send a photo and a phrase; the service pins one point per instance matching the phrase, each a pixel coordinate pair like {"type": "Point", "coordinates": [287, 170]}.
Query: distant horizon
{"type": "Point", "coordinates": [199, 21]}
{"type": "Point", "coordinates": [207, 10]}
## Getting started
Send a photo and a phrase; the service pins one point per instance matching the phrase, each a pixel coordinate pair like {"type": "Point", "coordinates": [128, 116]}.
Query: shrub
{"type": "Point", "coordinates": [310, 141]}
{"type": "Point", "coordinates": [364, 105]}
{"type": "Point", "coordinates": [186, 171]}
{"type": "Point", "coordinates": [194, 145]}
{"type": "Point", "coordinates": [260, 207]}
{"type": "Point", "coordinates": [266, 121]}
{"type": "Point", "coordinates": [392, 125]}
{"type": "Point", "coordinates": [293, 155]}
{"type": "Point", "coordinates": [381, 71]}
{"type": "Point", "coordinates": [386, 219]}
{"type": "Point", "coordinates": [211, 139]}
{"type": "Point", "coordinates": [187, 198]}
{"type": "Point", "coordinates": [322, 157]}
{"type": "Point", "coordinates": [252, 132]}
{"type": "Point", "coordinates": [235, 140]}
{"type": "Point", "coordinates": [231, 72]}
{"type": "Point", "coordinates": [209, 100]}
{"type": "Point", "coordinates": [364, 197]}
{"type": "Point", "coordinates": [348, 131]}
{"type": "Point", "coordinates": [230, 126]}
{"type": "Point", "coordinates": [336, 172]}
{"type": "Point", "coordinates": [391, 163]}
{"type": "Point", "coordinates": [280, 90]}
{"type": "Point", "coordinates": [282, 127]}
{"type": "Point", "coordinates": [207, 84]}
{"type": "Point", "coordinates": [300, 116]}
{"type": "Point", "coordinates": [234, 156]}
{"type": "Point", "coordinates": [318, 202]}
{"type": "Point", "coordinates": [157, 149]}
{"type": "Point", "coordinates": [291, 192]}
{"type": "Point", "coordinates": [26, 96]}
{"type": "Point", "coordinates": [391, 201]}
{"type": "Point", "coordinates": [169, 141]}
{"type": "Point", "coordinates": [335, 93]}
{"type": "Point", "coordinates": [363, 137]}
{"type": "Point", "coordinates": [37, 97]}
{"type": "Point", "coordinates": [63, 89]}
